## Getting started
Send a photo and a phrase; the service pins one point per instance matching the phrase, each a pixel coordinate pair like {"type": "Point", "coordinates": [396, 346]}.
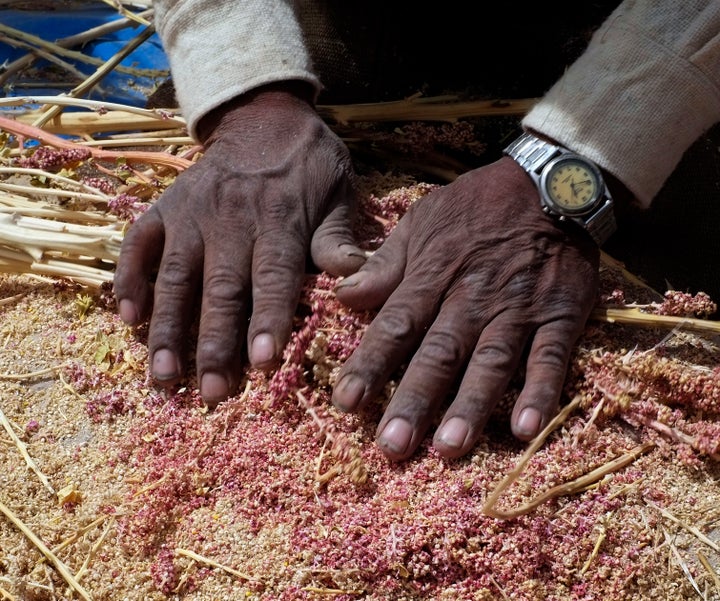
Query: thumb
{"type": "Point", "coordinates": [333, 247]}
{"type": "Point", "coordinates": [383, 272]}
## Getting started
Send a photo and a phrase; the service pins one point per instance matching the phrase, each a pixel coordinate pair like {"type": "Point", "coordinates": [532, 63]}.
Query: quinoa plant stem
{"type": "Point", "coordinates": [153, 158]}
{"type": "Point", "coordinates": [567, 488]}
{"type": "Point", "coordinates": [54, 559]}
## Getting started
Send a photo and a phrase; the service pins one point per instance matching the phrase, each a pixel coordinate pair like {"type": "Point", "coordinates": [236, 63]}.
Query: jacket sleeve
{"type": "Point", "coordinates": [645, 89]}
{"type": "Point", "coordinates": [220, 49]}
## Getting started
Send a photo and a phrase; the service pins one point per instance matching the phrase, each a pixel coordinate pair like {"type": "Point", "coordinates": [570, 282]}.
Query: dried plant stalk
{"type": "Point", "coordinates": [126, 13]}
{"type": "Point", "coordinates": [424, 109]}
{"type": "Point", "coordinates": [70, 41]}
{"type": "Point", "coordinates": [93, 551]}
{"type": "Point", "coordinates": [6, 595]}
{"type": "Point", "coordinates": [633, 316]}
{"type": "Point", "coordinates": [52, 558]}
{"type": "Point", "coordinates": [152, 158]}
{"type": "Point", "coordinates": [105, 116]}
{"type": "Point", "coordinates": [47, 245]}
{"type": "Point", "coordinates": [99, 74]}
{"type": "Point", "coordinates": [210, 562]}
{"type": "Point", "coordinates": [79, 533]}
{"type": "Point", "coordinates": [567, 488]}
{"type": "Point", "coordinates": [681, 562]}
{"type": "Point", "coordinates": [60, 50]}
{"type": "Point", "coordinates": [713, 574]}
{"type": "Point", "coordinates": [23, 451]}
{"type": "Point", "coordinates": [21, 205]}
{"type": "Point", "coordinates": [692, 529]}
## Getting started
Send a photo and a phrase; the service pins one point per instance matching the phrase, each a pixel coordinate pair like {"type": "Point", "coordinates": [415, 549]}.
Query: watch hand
{"type": "Point", "coordinates": [574, 185]}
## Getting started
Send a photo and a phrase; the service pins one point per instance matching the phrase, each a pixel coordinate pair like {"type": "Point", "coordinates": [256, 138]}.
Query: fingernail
{"type": "Point", "coordinates": [165, 365]}
{"type": "Point", "coordinates": [351, 280]}
{"type": "Point", "coordinates": [348, 393]}
{"type": "Point", "coordinates": [453, 432]}
{"type": "Point", "coordinates": [396, 436]}
{"type": "Point", "coordinates": [528, 422]}
{"type": "Point", "coordinates": [214, 387]}
{"type": "Point", "coordinates": [353, 251]}
{"type": "Point", "coordinates": [128, 311]}
{"type": "Point", "coordinates": [262, 350]}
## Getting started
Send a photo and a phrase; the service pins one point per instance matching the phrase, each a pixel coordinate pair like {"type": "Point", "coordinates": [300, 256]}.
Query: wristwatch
{"type": "Point", "coordinates": [571, 187]}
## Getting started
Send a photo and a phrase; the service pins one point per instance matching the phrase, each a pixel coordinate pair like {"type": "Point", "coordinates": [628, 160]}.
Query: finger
{"type": "Point", "coordinates": [390, 338]}
{"type": "Point", "coordinates": [223, 319]}
{"type": "Point", "coordinates": [425, 384]}
{"type": "Point", "coordinates": [376, 280]}
{"type": "Point", "coordinates": [545, 376]}
{"type": "Point", "coordinates": [278, 271]}
{"type": "Point", "coordinates": [494, 360]}
{"type": "Point", "coordinates": [140, 254]}
{"type": "Point", "coordinates": [176, 291]}
{"type": "Point", "coordinates": [333, 247]}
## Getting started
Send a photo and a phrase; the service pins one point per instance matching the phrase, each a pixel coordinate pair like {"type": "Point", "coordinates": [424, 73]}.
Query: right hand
{"type": "Point", "coordinates": [474, 281]}
{"type": "Point", "coordinates": [234, 231]}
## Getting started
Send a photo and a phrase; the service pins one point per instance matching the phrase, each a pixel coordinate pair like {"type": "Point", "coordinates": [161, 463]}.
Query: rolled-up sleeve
{"type": "Point", "coordinates": [220, 49]}
{"type": "Point", "coordinates": [645, 89]}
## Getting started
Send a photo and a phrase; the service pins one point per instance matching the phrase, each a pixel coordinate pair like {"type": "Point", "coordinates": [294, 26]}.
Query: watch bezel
{"type": "Point", "coordinates": [589, 206]}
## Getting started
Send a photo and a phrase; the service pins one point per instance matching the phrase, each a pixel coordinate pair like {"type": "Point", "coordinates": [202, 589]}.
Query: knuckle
{"type": "Point", "coordinates": [412, 405]}
{"type": "Point", "coordinates": [165, 332]}
{"type": "Point", "coordinates": [496, 352]}
{"type": "Point", "coordinates": [552, 353]}
{"type": "Point", "coordinates": [176, 272]}
{"type": "Point", "coordinates": [224, 286]}
{"type": "Point", "coordinates": [218, 347]}
{"type": "Point", "coordinates": [396, 324]}
{"type": "Point", "coordinates": [442, 350]}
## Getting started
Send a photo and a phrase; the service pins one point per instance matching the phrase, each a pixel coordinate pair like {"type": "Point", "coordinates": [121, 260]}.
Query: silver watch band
{"type": "Point", "coordinates": [532, 154]}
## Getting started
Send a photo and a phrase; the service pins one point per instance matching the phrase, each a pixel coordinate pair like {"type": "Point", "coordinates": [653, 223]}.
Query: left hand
{"type": "Point", "coordinates": [474, 275]}
{"type": "Point", "coordinates": [234, 232]}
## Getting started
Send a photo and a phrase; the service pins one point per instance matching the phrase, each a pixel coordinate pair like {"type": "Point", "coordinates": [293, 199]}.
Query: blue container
{"type": "Point", "coordinates": [45, 78]}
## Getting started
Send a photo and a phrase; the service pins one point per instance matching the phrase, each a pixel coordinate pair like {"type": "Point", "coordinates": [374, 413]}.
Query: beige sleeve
{"type": "Point", "coordinates": [645, 89]}
{"type": "Point", "coordinates": [219, 49]}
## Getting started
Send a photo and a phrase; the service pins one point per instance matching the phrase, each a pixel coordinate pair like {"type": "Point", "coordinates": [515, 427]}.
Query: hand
{"type": "Point", "coordinates": [472, 277]}
{"type": "Point", "coordinates": [273, 185]}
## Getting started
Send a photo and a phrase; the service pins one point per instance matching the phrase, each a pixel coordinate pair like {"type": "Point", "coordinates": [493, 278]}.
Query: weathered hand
{"type": "Point", "coordinates": [234, 232]}
{"type": "Point", "coordinates": [473, 276]}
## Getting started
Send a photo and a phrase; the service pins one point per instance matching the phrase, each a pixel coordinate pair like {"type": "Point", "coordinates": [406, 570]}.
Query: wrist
{"type": "Point", "coordinates": [623, 198]}
{"type": "Point", "coordinates": [572, 187]}
{"type": "Point", "coordinates": [276, 94]}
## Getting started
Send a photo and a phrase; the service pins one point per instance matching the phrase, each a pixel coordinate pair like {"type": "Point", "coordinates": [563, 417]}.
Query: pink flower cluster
{"type": "Point", "coordinates": [126, 206]}
{"type": "Point", "coordinates": [100, 183]}
{"type": "Point", "coordinates": [664, 394]}
{"type": "Point", "coordinates": [683, 304]}
{"type": "Point", "coordinates": [48, 158]}
{"type": "Point", "coordinates": [382, 213]}
{"type": "Point", "coordinates": [419, 137]}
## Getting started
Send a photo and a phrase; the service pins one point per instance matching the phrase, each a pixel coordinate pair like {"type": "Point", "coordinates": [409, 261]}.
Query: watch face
{"type": "Point", "coordinates": [572, 185]}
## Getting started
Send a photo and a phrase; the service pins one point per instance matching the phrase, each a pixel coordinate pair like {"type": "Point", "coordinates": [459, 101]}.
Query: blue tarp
{"type": "Point", "coordinates": [48, 79]}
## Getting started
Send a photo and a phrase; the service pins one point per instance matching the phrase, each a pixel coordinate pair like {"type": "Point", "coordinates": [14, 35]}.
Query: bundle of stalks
{"type": "Point", "coordinates": [54, 217]}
